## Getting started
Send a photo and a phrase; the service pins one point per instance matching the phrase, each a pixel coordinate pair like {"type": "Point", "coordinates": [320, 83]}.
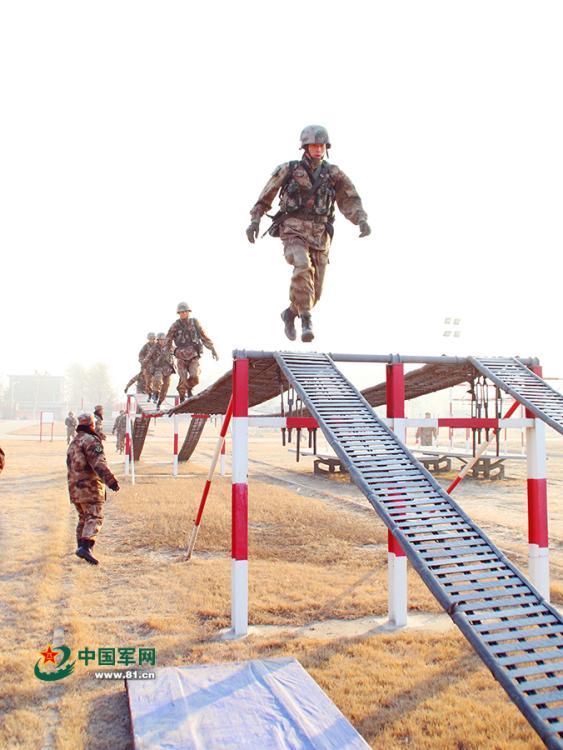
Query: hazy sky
{"type": "Point", "coordinates": [135, 137]}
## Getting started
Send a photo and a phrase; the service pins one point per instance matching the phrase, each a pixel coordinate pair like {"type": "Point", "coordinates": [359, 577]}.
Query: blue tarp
{"type": "Point", "coordinates": [266, 704]}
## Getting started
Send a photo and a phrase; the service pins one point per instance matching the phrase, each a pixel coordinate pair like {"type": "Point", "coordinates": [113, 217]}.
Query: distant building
{"type": "Point", "coordinates": [28, 395]}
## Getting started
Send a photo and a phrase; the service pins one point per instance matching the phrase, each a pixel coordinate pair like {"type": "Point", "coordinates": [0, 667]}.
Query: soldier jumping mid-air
{"type": "Point", "coordinates": [308, 191]}
{"type": "Point", "coordinates": [187, 338]}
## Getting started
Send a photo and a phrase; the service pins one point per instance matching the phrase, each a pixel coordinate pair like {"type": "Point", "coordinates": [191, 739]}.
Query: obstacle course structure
{"type": "Point", "coordinates": [506, 617]}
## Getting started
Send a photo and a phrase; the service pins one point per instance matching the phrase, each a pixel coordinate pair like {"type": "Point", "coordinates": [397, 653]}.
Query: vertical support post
{"type": "Point", "coordinates": [538, 543]}
{"type": "Point", "coordinates": [396, 558]}
{"type": "Point", "coordinates": [239, 569]}
{"type": "Point", "coordinates": [175, 458]}
{"type": "Point", "coordinates": [40, 426]}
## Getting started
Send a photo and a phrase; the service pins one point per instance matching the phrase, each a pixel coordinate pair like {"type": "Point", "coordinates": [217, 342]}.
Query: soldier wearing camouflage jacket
{"type": "Point", "coordinates": [187, 338]}
{"type": "Point", "coordinates": [119, 429]}
{"type": "Point", "coordinates": [161, 367]}
{"type": "Point", "coordinates": [144, 358]}
{"type": "Point", "coordinates": [309, 189]}
{"type": "Point", "coordinates": [87, 473]}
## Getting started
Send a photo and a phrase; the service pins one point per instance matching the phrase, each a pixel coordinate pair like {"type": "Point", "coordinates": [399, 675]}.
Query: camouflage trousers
{"type": "Point", "coordinates": [309, 268]}
{"type": "Point", "coordinates": [160, 384]}
{"type": "Point", "coordinates": [146, 381]}
{"type": "Point", "coordinates": [90, 517]}
{"type": "Point", "coordinates": [188, 374]}
{"type": "Point", "coordinates": [119, 441]}
{"type": "Point", "coordinates": [69, 434]}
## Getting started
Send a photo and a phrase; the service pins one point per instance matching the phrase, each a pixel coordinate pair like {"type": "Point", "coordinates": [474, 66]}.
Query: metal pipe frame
{"type": "Point", "coordinates": [389, 359]}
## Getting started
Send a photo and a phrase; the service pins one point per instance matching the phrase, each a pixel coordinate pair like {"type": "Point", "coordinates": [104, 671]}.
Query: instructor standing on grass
{"type": "Point", "coordinates": [87, 474]}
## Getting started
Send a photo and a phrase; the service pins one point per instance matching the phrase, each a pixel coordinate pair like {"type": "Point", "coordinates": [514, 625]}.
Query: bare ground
{"type": "Point", "coordinates": [317, 592]}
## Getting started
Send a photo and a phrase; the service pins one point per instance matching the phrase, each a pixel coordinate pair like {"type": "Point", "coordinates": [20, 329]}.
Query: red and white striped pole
{"type": "Point", "coordinates": [538, 543]}
{"type": "Point", "coordinates": [220, 441]}
{"type": "Point", "coordinates": [128, 435]}
{"type": "Point", "coordinates": [175, 459]}
{"type": "Point", "coordinates": [396, 558]}
{"type": "Point", "coordinates": [470, 464]}
{"type": "Point", "coordinates": [222, 464]}
{"type": "Point", "coordinates": [239, 569]}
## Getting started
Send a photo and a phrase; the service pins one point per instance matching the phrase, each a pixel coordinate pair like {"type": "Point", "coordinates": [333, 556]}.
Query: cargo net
{"type": "Point", "coordinates": [140, 429]}
{"type": "Point", "coordinates": [197, 423]}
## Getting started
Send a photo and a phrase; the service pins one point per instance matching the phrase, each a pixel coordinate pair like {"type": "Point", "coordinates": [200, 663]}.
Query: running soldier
{"type": "Point", "coordinates": [87, 473]}
{"type": "Point", "coordinates": [144, 356]}
{"type": "Point", "coordinates": [99, 415]}
{"type": "Point", "coordinates": [161, 367]}
{"type": "Point", "coordinates": [118, 430]}
{"type": "Point", "coordinates": [308, 191]}
{"type": "Point", "coordinates": [70, 424]}
{"type": "Point", "coordinates": [187, 338]}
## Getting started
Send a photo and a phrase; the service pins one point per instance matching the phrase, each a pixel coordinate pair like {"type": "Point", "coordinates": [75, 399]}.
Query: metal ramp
{"type": "Point", "coordinates": [197, 423]}
{"type": "Point", "coordinates": [514, 630]}
{"type": "Point", "coordinates": [140, 429]}
{"type": "Point", "coordinates": [525, 386]}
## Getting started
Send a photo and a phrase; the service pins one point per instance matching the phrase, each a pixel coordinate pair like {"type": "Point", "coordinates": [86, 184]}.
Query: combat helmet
{"type": "Point", "coordinates": [161, 336]}
{"type": "Point", "coordinates": [183, 307]}
{"type": "Point", "coordinates": [151, 335]}
{"type": "Point", "coordinates": [314, 134]}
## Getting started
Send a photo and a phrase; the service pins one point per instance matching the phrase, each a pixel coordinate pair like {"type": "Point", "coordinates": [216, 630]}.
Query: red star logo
{"type": "Point", "coordinates": [48, 655]}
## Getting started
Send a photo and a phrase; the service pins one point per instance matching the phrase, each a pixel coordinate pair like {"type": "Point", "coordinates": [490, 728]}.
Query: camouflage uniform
{"type": "Point", "coordinates": [70, 424]}
{"type": "Point", "coordinates": [2, 459]}
{"type": "Point", "coordinates": [100, 426]}
{"type": "Point", "coordinates": [187, 336]}
{"type": "Point", "coordinates": [426, 435]}
{"type": "Point", "coordinates": [134, 379]}
{"type": "Point", "coordinates": [119, 428]}
{"type": "Point", "coordinates": [148, 351]}
{"type": "Point", "coordinates": [162, 368]}
{"type": "Point", "coordinates": [306, 230]}
{"type": "Point", "coordinates": [87, 474]}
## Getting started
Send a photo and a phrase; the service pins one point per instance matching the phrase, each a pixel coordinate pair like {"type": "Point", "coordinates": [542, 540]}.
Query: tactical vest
{"type": "Point", "coordinates": [304, 195]}
{"type": "Point", "coordinates": [187, 336]}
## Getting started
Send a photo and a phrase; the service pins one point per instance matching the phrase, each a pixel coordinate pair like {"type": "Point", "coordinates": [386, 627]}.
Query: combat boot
{"type": "Point", "coordinates": [84, 551]}
{"type": "Point", "coordinates": [307, 334]}
{"type": "Point", "coordinates": [288, 317]}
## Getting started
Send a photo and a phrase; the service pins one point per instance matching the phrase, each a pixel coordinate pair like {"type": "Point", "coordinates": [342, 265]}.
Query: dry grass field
{"type": "Point", "coordinates": [317, 553]}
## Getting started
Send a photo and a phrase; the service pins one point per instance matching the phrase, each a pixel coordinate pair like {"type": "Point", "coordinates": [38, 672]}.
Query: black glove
{"type": "Point", "coordinates": [114, 485]}
{"type": "Point", "coordinates": [252, 231]}
{"type": "Point", "coordinates": [364, 229]}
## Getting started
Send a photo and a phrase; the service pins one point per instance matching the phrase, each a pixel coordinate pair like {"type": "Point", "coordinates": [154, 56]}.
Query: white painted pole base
{"type": "Point", "coordinates": [239, 597]}
{"type": "Point", "coordinates": [191, 543]}
{"type": "Point", "coordinates": [397, 589]}
{"type": "Point", "coordinates": [538, 568]}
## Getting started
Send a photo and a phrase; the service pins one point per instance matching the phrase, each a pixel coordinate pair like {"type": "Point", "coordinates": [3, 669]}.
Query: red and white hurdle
{"type": "Point", "coordinates": [397, 561]}
{"type": "Point", "coordinates": [538, 544]}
